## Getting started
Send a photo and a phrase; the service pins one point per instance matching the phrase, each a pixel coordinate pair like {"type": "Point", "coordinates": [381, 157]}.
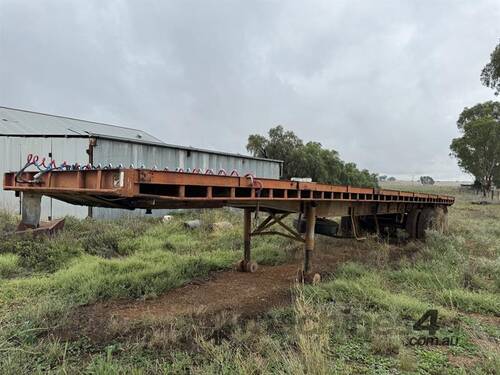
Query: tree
{"type": "Point", "coordinates": [490, 75]}
{"type": "Point", "coordinates": [307, 160]}
{"type": "Point", "coordinates": [281, 145]}
{"type": "Point", "coordinates": [311, 160]}
{"type": "Point", "coordinates": [478, 149]}
{"type": "Point", "coordinates": [426, 180]}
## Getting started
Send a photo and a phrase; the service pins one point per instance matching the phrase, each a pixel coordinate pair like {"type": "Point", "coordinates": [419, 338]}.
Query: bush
{"type": "Point", "coordinates": [9, 265]}
{"type": "Point", "coordinates": [8, 222]}
{"type": "Point", "coordinates": [107, 239]}
{"type": "Point", "coordinates": [426, 180]}
{"type": "Point", "coordinates": [40, 253]}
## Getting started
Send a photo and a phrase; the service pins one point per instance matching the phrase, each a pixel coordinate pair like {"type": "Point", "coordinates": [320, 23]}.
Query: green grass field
{"type": "Point", "coordinates": [358, 321]}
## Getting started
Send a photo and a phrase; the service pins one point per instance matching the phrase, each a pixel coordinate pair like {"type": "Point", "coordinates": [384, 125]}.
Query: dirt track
{"type": "Point", "coordinates": [231, 291]}
{"type": "Point", "coordinates": [237, 293]}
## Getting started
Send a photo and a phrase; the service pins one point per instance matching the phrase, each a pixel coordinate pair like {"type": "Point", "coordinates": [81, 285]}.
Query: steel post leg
{"type": "Point", "coordinates": [309, 246]}
{"type": "Point", "coordinates": [247, 227]}
{"type": "Point", "coordinates": [246, 265]}
{"type": "Point", "coordinates": [31, 210]}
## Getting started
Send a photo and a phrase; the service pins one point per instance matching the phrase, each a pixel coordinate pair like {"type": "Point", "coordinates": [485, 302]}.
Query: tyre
{"type": "Point", "coordinates": [346, 229]}
{"type": "Point", "coordinates": [429, 219]}
{"type": "Point", "coordinates": [243, 266]}
{"type": "Point", "coordinates": [411, 222]}
{"type": "Point", "coordinates": [251, 267]}
{"type": "Point", "coordinates": [442, 220]}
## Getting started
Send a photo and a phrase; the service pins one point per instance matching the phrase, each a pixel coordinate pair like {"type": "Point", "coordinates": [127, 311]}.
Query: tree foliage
{"type": "Point", "coordinates": [490, 75]}
{"type": "Point", "coordinates": [279, 145]}
{"type": "Point", "coordinates": [426, 180]}
{"type": "Point", "coordinates": [478, 149]}
{"type": "Point", "coordinates": [307, 160]}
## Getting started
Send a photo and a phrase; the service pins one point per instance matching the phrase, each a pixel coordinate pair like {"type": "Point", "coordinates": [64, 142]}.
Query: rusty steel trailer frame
{"type": "Point", "coordinates": [155, 189]}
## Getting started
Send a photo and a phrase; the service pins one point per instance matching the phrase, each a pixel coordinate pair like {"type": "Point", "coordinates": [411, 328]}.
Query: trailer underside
{"type": "Point", "coordinates": [361, 209]}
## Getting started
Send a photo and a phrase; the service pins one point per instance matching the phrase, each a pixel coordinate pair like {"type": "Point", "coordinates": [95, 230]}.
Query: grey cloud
{"type": "Point", "coordinates": [381, 82]}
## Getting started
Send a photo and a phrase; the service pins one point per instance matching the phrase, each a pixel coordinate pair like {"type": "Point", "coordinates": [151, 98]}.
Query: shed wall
{"type": "Point", "coordinates": [13, 152]}
{"type": "Point", "coordinates": [117, 152]}
{"type": "Point", "coordinates": [14, 149]}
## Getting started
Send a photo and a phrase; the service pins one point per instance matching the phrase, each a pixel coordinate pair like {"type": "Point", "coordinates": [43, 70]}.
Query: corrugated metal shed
{"type": "Point", "coordinates": [19, 122]}
{"type": "Point", "coordinates": [13, 151]}
{"type": "Point", "coordinates": [151, 155]}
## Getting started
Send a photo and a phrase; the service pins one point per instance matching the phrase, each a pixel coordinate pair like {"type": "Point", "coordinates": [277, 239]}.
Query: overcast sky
{"type": "Point", "coordinates": [382, 82]}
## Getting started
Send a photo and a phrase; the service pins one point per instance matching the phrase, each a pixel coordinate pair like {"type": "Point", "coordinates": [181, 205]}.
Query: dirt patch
{"type": "Point", "coordinates": [235, 293]}
{"type": "Point", "coordinates": [462, 361]}
{"type": "Point", "coordinates": [483, 341]}
{"type": "Point", "coordinates": [239, 292]}
{"type": "Point", "coordinates": [488, 319]}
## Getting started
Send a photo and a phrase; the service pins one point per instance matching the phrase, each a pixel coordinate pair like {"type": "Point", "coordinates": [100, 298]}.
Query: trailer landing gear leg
{"type": "Point", "coordinates": [305, 275]}
{"type": "Point", "coordinates": [31, 210]}
{"type": "Point", "coordinates": [246, 265]}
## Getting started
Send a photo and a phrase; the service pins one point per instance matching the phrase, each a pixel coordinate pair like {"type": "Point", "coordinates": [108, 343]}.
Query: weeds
{"type": "Point", "coordinates": [9, 265]}
{"type": "Point", "coordinates": [8, 222]}
{"type": "Point", "coordinates": [357, 321]}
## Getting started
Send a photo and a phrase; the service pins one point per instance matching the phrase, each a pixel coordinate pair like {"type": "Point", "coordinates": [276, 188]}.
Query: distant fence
{"type": "Point", "coordinates": [493, 194]}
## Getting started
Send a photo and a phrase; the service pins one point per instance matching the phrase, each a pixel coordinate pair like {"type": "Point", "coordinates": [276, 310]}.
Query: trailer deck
{"type": "Point", "coordinates": [144, 188]}
{"type": "Point", "coordinates": [361, 209]}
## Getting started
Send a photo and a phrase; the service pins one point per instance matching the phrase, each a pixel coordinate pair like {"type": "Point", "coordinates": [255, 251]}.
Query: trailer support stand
{"type": "Point", "coordinates": [246, 265]}
{"type": "Point", "coordinates": [31, 209]}
{"type": "Point", "coordinates": [247, 227]}
{"type": "Point", "coordinates": [305, 275]}
{"type": "Point", "coordinates": [309, 245]}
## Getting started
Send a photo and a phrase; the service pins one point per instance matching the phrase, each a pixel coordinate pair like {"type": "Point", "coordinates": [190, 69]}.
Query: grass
{"type": "Point", "coordinates": [357, 321]}
{"type": "Point", "coordinates": [9, 265]}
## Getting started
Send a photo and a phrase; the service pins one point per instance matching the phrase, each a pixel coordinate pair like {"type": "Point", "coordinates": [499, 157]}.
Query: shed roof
{"type": "Point", "coordinates": [20, 122]}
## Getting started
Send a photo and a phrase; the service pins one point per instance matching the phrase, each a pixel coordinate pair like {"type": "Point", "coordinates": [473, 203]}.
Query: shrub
{"type": "Point", "coordinates": [9, 265]}
{"type": "Point", "coordinates": [40, 253]}
{"type": "Point", "coordinates": [8, 222]}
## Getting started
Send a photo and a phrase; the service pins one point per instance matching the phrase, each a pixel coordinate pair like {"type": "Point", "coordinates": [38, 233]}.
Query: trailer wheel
{"type": "Point", "coordinates": [445, 219]}
{"type": "Point", "coordinates": [251, 267]}
{"type": "Point", "coordinates": [308, 277]}
{"type": "Point", "coordinates": [367, 224]}
{"type": "Point", "coordinates": [411, 222]}
{"type": "Point", "coordinates": [346, 229]}
{"type": "Point", "coordinates": [240, 266]}
{"type": "Point", "coordinates": [345, 226]}
{"type": "Point", "coordinates": [316, 279]}
{"type": "Point", "coordinates": [441, 220]}
{"type": "Point", "coordinates": [430, 218]}
{"type": "Point", "coordinates": [243, 266]}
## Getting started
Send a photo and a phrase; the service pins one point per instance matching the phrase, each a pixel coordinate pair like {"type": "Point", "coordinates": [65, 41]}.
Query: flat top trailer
{"type": "Point", "coordinates": [361, 209]}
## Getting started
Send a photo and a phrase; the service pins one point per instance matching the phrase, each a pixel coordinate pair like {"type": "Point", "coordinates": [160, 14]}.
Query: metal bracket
{"type": "Point", "coordinates": [273, 218]}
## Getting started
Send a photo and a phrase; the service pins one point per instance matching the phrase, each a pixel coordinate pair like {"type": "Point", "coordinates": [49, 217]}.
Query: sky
{"type": "Point", "coordinates": [381, 82]}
